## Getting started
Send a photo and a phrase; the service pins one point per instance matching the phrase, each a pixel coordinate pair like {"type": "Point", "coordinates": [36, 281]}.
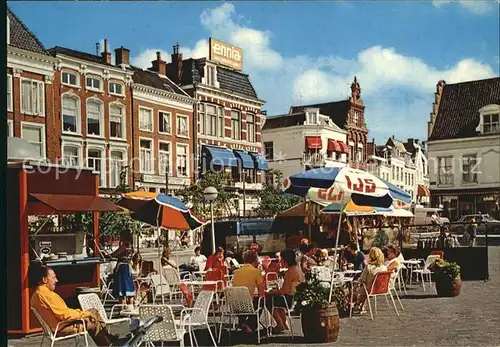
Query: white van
{"type": "Point", "coordinates": [423, 216]}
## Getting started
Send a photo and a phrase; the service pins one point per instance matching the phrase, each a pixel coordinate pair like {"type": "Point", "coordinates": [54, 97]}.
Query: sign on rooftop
{"type": "Point", "coordinates": [226, 54]}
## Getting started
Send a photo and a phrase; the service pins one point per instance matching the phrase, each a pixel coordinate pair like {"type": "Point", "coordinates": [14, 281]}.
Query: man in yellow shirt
{"type": "Point", "coordinates": [250, 276]}
{"type": "Point", "coordinates": [53, 310]}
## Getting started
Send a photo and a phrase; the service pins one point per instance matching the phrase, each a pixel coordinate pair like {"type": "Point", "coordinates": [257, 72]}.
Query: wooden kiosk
{"type": "Point", "coordinates": [35, 189]}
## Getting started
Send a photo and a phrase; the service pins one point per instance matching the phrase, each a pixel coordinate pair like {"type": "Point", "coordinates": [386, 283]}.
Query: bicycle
{"type": "Point", "coordinates": [136, 335]}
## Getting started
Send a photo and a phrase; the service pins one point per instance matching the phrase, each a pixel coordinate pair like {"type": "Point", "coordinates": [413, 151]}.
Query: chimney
{"type": "Point", "coordinates": [159, 66]}
{"type": "Point", "coordinates": [106, 54]}
{"type": "Point", "coordinates": [122, 56]}
{"type": "Point", "coordinates": [176, 65]}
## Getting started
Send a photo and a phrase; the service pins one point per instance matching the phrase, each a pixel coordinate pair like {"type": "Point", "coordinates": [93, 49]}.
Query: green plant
{"type": "Point", "coordinates": [311, 294]}
{"type": "Point", "coordinates": [447, 269]}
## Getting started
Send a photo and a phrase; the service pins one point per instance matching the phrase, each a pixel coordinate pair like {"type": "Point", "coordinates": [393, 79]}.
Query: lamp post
{"type": "Point", "coordinates": [210, 194]}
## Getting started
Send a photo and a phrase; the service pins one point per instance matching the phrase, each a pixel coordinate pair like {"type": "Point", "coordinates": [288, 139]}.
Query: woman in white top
{"type": "Point", "coordinates": [375, 265]}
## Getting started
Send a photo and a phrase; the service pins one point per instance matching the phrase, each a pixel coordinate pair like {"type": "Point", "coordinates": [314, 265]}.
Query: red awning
{"type": "Point", "coordinates": [58, 203]}
{"type": "Point", "coordinates": [343, 147]}
{"type": "Point", "coordinates": [423, 191]}
{"type": "Point", "coordinates": [333, 146]}
{"type": "Point", "coordinates": [313, 142]}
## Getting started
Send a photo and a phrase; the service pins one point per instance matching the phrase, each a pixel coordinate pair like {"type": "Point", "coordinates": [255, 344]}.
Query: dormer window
{"type": "Point", "coordinates": [489, 122]}
{"type": "Point", "coordinates": [312, 116]}
{"type": "Point", "coordinates": [211, 76]}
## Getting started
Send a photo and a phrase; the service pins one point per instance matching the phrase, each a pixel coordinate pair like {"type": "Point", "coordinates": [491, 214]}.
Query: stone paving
{"type": "Point", "coordinates": [471, 319]}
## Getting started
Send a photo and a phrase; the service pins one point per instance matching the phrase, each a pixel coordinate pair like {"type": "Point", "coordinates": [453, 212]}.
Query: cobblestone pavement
{"type": "Point", "coordinates": [471, 319]}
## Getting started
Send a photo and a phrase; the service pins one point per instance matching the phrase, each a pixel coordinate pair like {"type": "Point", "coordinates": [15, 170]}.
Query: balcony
{"type": "Point", "coordinates": [313, 159]}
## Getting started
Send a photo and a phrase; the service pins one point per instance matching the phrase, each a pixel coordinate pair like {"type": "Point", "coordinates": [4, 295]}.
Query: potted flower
{"type": "Point", "coordinates": [448, 281]}
{"type": "Point", "coordinates": [320, 319]}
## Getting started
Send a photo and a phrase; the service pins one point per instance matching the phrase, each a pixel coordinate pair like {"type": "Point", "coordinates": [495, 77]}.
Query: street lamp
{"type": "Point", "coordinates": [210, 194]}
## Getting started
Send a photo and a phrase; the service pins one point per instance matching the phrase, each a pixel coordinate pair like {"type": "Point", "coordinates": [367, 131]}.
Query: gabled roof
{"type": "Point", "coordinates": [79, 55]}
{"type": "Point", "coordinates": [152, 79]}
{"type": "Point", "coordinates": [229, 80]}
{"type": "Point", "coordinates": [458, 113]}
{"type": "Point", "coordinates": [21, 37]}
{"type": "Point", "coordinates": [337, 111]}
{"type": "Point", "coordinates": [396, 144]}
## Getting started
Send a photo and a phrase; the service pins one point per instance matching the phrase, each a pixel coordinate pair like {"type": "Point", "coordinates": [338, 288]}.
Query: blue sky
{"type": "Point", "coordinates": [303, 52]}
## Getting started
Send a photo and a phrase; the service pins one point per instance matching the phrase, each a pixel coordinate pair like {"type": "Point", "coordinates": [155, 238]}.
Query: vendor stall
{"type": "Point", "coordinates": [34, 191]}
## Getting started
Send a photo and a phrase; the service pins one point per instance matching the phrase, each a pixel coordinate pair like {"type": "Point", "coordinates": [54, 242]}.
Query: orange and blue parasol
{"type": "Point", "coordinates": [160, 210]}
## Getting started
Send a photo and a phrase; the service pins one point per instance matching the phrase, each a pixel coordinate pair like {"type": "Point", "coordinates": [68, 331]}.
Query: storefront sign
{"type": "Point", "coordinates": [488, 198]}
{"type": "Point", "coordinates": [226, 54]}
{"type": "Point", "coordinates": [160, 179]}
{"type": "Point", "coordinates": [45, 247]}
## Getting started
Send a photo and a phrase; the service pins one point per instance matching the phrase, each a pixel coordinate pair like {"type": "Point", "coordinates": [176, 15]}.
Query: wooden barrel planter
{"type": "Point", "coordinates": [321, 325]}
{"type": "Point", "coordinates": [446, 287]}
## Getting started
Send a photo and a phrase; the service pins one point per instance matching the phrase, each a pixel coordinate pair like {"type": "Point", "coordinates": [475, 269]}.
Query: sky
{"type": "Point", "coordinates": [297, 53]}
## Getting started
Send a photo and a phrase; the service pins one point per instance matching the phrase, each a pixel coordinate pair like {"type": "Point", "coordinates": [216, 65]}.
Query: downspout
{"type": "Point", "coordinates": [196, 173]}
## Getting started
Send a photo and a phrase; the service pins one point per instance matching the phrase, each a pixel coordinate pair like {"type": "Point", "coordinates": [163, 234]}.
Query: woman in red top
{"type": "Point", "coordinates": [216, 260]}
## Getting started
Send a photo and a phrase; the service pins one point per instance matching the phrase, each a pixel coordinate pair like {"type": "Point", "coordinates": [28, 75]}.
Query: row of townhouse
{"type": "Point", "coordinates": [169, 123]}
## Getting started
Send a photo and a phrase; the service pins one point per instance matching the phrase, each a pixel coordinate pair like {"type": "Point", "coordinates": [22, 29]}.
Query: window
{"type": "Point", "coordinates": [221, 123]}
{"type": "Point", "coordinates": [445, 170]}
{"type": "Point", "coordinates": [95, 124]}
{"type": "Point", "coordinates": [360, 154]}
{"type": "Point", "coordinates": [491, 123]}
{"type": "Point", "coordinates": [32, 97]}
{"type": "Point", "coordinates": [469, 173]}
{"type": "Point", "coordinates": [355, 117]}
{"type": "Point", "coordinates": [94, 161]}
{"type": "Point", "coordinates": [8, 30]}
{"type": "Point", "coordinates": [182, 160]}
{"type": "Point", "coordinates": [145, 119]}
{"type": "Point", "coordinates": [164, 121]}
{"type": "Point", "coordinates": [70, 114]}
{"type": "Point", "coordinates": [117, 121]}
{"type": "Point", "coordinates": [250, 127]}
{"type": "Point", "coordinates": [201, 118]}
{"type": "Point", "coordinates": [182, 126]}
{"type": "Point", "coordinates": [69, 78]}
{"type": "Point", "coordinates": [146, 155]}
{"type": "Point", "coordinates": [312, 117]}
{"type": "Point", "coordinates": [210, 78]}
{"type": "Point", "coordinates": [269, 150]}
{"type": "Point", "coordinates": [351, 152]}
{"type": "Point", "coordinates": [9, 93]}
{"type": "Point", "coordinates": [235, 125]}
{"type": "Point", "coordinates": [71, 155]}
{"type": "Point", "coordinates": [34, 134]}
{"type": "Point", "coordinates": [117, 163]}
{"type": "Point", "coordinates": [164, 158]}
{"type": "Point", "coordinates": [93, 83]}
{"type": "Point", "coordinates": [116, 88]}
{"type": "Point", "coordinates": [211, 119]}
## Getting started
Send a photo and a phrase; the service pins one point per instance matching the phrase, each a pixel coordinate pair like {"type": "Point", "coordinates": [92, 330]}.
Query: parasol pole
{"type": "Point", "coordinates": [335, 262]}
{"type": "Point", "coordinates": [160, 268]}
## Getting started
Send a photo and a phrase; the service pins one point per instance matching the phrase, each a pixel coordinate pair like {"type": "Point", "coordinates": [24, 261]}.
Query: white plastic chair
{"type": "Point", "coordinates": [106, 291]}
{"type": "Point", "coordinates": [161, 288]}
{"type": "Point", "coordinates": [47, 331]}
{"type": "Point", "coordinates": [91, 300]}
{"type": "Point", "coordinates": [424, 271]}
{"type": "Point", "coordinates": [239, 303]}
{"type": "Point", "coordinates": [166, 330]}
{"type": "Point", "coordinates": [288, 312]}
{"type": "Point", "coordinates": [395, 277]}
{"type": "Point", "coordinates": [197, 316]}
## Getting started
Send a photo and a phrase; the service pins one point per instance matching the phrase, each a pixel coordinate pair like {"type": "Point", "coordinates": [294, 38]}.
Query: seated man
{"type": "Point", "coordinates": [355, 257]}
{"type": "Point", "coordinates": [250, 276]}
{"type": "Point", "coordinates": [53, 310]}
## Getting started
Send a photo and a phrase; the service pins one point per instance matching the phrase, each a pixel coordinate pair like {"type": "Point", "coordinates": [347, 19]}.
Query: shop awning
{"type": "Point", "coordinates": [334, 146]}
{"type": "Point", "coordinates": [41, 204]}
{"type": "Point", "coordinates": [344, 148]}
{"type": "Point", "coordinates": [423, 191]}
{"type": "Point", "coordinates": [221, 156]}
{"type": "Point", "coordinates": [245, 158]}
{"type": "Point", "coordinates": [313, 142]}
{"type": "Point", "coordinates": [260, 161]}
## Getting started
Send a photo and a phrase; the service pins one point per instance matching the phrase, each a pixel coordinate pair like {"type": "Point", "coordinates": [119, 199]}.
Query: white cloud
{"type": "Point", "coordinates": [474, 6]}
{"type": "Point", "coordinates": [144, 59]}
{"type": "Point", "coordinates": [396, 89]}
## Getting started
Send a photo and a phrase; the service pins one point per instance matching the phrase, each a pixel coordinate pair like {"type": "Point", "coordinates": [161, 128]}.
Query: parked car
{"type": "Point", "coordinates": [484, 221]}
